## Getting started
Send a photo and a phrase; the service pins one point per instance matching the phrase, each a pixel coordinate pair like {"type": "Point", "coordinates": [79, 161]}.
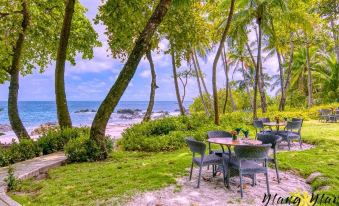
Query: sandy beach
{"type": "Point", "coordinates": [113, 130]}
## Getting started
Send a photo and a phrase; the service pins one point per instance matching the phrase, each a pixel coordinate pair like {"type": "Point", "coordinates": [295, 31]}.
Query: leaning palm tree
{"type": "Point", "coordinates": [111, 100]}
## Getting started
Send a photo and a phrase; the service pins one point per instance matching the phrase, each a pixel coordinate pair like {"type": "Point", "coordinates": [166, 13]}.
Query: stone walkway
{"type": "Point", "coordinates": [27, 169]}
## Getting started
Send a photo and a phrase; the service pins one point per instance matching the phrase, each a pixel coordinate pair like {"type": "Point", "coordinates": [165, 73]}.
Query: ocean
{"type": "Point", "coordinates": [35, 113]}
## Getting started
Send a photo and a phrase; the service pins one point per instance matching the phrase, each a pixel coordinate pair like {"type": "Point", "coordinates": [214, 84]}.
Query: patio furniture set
{"type": "Point", "coordinates": [329, 115]}
{"type": "Point", "coordinates": [249, 156]}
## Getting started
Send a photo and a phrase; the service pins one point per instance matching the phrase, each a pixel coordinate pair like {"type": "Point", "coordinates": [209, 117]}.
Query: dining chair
{"type": "Point", "coordinates": [259, 127]}
{"type": "Point", "coordinates": [274, 140]}
{"type": "Point", "coordinates": [250, 160]}
{"type": "Point", "coordinates": [199, 148]}
{"type": "Point", "coordinates": [291, 132]}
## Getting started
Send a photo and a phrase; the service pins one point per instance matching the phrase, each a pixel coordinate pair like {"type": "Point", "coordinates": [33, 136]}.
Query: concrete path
{"type": "Point", "coordinates": [27, 169]}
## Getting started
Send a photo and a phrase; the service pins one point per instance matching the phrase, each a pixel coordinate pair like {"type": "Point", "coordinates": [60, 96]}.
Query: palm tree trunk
{"type": "Point", "coordinates": [234, 108]}
{"type": "Point", "coordinates": [197, 74]}
{"type": "Point", "coordinates": [335, 38]}
{"type": "Point", "coordinates": [247, 89]}
{"type": "Point", "coordinates": [288, 78]}
{"type": "Point", "coordinates": [60, 94]}
{"type": "Point", "coordinates": [309, 78]}
{"type": "Point", "coordinates": [13, 113]}
{"type": "Point", "coordinates": [223, 57]}
{"type": "Point", "coordinates": [154, 86]}
{"type": "Point", "coordinates": [201, 75]}
{"type": "Point", "coordinates": [216, 59]}
{"type": "Point", "coordinates": [261, 82]}
{"type": "Point", "coordinates": [176, 85]}
{"type": "Point", "coordinates": [108, 105]}
{"type": "Point", "coordinates": [281, 74]}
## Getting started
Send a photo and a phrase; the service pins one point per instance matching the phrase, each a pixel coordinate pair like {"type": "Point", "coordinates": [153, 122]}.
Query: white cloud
{"type": "Point", "coordinates": [145, 74]}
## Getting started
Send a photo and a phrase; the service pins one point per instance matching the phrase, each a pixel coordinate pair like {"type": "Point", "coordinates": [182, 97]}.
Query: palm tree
{"type": "Point", "coordinates": [154, 86]}
{"type": "Point", "coordinates": [111, 100]}
{"type": "Point", "coordinates": [215, 62]}
{"type": "Point", "coordinates": [60, 94]}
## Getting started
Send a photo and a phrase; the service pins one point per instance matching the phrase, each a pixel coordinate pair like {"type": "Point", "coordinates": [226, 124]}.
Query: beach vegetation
{"type": "Point", "coordinates": [125, 173]}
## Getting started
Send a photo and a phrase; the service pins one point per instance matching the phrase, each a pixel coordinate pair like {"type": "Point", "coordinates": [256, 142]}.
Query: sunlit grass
{"type": "Point", "coordinates": [126, 173]}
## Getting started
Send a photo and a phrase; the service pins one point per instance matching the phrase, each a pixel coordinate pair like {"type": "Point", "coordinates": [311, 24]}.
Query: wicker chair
{"type": "Point", "coordinates": [264, 119]}
{"type": "Point", "coordinates": [291, 132]}
{"type": "Point", "coordinates": [204, 160]}
{"type": "Point", "coordinates": [274, 140]}
{"type": "Point", "coordinates": [259, 127]}
{"type": "Point", "coordinates": [324, 114]}
{"type": "Point", "coordinates": [248, 161]}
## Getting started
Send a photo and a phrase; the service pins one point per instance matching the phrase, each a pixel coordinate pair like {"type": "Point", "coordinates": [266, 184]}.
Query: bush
{"type": "Point", "coordinates": [26, 149]}
{"type": "Point", "coordinates": [83, 149]}
{"type": "Point", "coordinates": [53, 141]}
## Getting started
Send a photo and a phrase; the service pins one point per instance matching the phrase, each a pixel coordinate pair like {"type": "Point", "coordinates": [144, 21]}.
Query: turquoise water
{"type": "Point", "coordinates": [34, 113]}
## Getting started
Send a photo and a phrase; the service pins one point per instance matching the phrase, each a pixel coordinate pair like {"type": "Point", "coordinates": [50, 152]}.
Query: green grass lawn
{"type": "Point", "coordinates": [126, 173]}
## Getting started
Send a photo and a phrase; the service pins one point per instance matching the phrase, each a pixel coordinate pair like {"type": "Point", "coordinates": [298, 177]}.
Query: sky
{"type": "Point", "coordinates": [90, 80]}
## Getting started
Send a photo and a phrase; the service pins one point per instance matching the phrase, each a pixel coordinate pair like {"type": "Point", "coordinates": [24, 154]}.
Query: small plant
{"type": "Point", "coordinates": [238, 130]}
{"type": "Point", "coordinates": [277, 119]}
{"type": "Point", "coordinates": [245, 132]}
{"type": "Point", "coordinates": [11, 180]}
{"type": "Point", "coordinates": [234, 135]}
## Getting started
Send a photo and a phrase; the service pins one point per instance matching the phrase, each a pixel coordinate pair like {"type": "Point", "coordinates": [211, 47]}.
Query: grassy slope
{"type": "Point", "coordinates": [125, 173]}
{"type": "Point", "coordinates": [323, 158]}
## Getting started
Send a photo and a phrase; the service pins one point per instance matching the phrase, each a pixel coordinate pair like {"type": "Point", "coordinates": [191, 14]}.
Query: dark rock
{"type": "Point", "coordinates": [2, 133]}
{"type": "Point", "coordinates": [129, 111]}
{"type": "Point", "coordinates": [5, 128]}
{"type": "Point", "coordinates": [85, 110]}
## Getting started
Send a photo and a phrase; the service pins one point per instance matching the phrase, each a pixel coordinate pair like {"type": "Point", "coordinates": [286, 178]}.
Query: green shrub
{"type": "Point", "coordinates": [4, 157]}
{"type": "Point", "coordinates": [83, 149]}
{"type": "Point", "coordinates": [25, 149]}
{"type": "Point", "coordinates": [53, 141]}
{"type": "Point", "coordinates": [11, 180]}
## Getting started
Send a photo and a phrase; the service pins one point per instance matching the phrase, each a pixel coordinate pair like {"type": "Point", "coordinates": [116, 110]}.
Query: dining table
{"type": "Point", "coordinates": [277, 125]}
{"type": "Point", "coordinates": [229, 142]}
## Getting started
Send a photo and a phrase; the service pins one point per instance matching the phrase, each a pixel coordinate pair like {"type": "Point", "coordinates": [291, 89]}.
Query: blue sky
{"type": "Point", "coordinates": [91, 79]}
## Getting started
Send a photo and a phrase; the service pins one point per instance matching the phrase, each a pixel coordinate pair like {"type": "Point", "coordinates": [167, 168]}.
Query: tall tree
{"type": "Point", "coordinates": [197, 75]}
{"type": "Point", "coordinates": [154, 86]}
{"type": "Point", "coordinates": [215, 62]}
{"type": "Point", "coordinates": [111, 100]}
{"type": "Point", "coordinates": [60, 94]}
{"type": "Point", "coordinates": [24, 46]}
{"type": "Point", "coordinates": [14, 71]}
{"type": "Point", "coordinates": [176, 85]}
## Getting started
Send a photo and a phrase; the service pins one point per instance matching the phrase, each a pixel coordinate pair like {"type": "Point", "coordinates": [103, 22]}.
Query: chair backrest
{"type": "Point", "coordinates": [258, 124]}
{"type": "Point", "coordinates": [264, 119]}
{"type": "Point", "coordinates": [325, 111]}
{"type": "Point", "coordinates": [252, 152]}
{"type": "Point", "coordinates": [298, 119]}
{"type": "Point", "coordinates": [293, 125]}
{"type": "Point", "coordinates": [218, 133]}
{"type": "Point", "coordinates": [196, 146]}
{"type": "Point", "coordinates": [337, 112]}
{"type": "Point", "coordinates": [269, 138]}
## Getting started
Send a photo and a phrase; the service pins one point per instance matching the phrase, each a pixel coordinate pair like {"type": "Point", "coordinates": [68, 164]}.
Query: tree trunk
{"type": "Point", "coordinates": [199, 86]}
{"type": "Point", "coordinates": [60, 94]}
{"type": "Point", "coordinates": [175, 78]}
{"type": "Point", "coordinates": [261, 82]}
{"type": "Point", "coordinates": [288, 78]}
{"type": "Point", "coordinates": [13, 113]}
{"type": "Point", "coordinates": [256, 79]}
{"type": "Point", "coordinates": [215, 62]}
{"type": "Point", "coordinates": [281, 74]}
{"type": "Point", "coordinates": [108, 105]}
{"type": "Point", "coordinates": [309, 79]}
{"type": "Point", "coordinates": [201, 75]}
{"type": "Point", "coordinates": [336, 40]}
{"type": "Point", "coordinates": [247, 89]}
{"type": "Point", "coordinates": [154, 86]}
{"type": "Point", "coordinates": [223, 57]}
{"type": "Point", "coordinates": [234, 108]}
